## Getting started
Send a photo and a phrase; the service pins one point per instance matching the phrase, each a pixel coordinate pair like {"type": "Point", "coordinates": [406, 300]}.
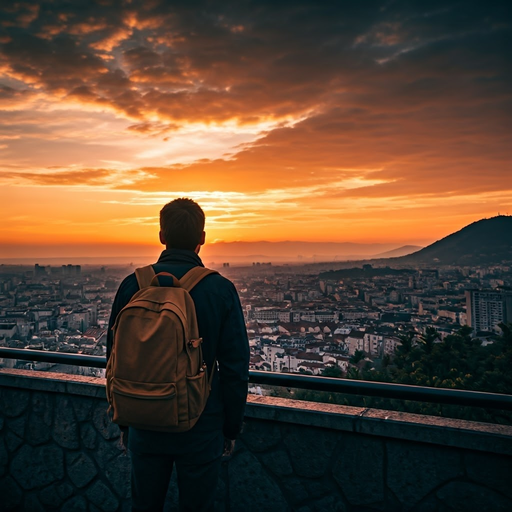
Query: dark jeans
{"type": "Point", "coordinates": [197, 481]}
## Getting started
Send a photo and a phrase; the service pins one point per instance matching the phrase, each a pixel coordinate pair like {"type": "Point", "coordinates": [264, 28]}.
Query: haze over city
{"type": "Point", "coordinates": [380, 122]}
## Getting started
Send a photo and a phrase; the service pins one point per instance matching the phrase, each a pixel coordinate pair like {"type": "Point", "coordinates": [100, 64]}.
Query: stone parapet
{"type": "Point", "coordinates": [59, 451]}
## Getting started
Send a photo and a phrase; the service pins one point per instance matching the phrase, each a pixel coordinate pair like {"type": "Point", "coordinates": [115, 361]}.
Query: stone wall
{"type": "Point", "coordinates": [59, 451]}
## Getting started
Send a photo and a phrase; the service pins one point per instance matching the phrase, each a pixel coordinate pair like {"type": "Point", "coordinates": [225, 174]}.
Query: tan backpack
{"type": "Point", "coordinates": [156, 376]}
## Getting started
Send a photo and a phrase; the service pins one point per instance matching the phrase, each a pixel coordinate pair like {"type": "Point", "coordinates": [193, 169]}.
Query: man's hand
{"type": "Point", "coordinates": [124, 438]}
{"type": "Point", "coordinates": [229, 447]}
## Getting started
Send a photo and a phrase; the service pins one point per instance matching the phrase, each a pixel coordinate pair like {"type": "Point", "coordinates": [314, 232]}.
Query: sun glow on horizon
{"type": "Point", "coordinates": [370, 133]}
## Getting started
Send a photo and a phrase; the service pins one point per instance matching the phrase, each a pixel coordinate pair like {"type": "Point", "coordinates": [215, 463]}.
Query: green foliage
{"type": "Point", "coordinates": [357, 358]}
{"type": "Point", "coordinates": [332, 371]}
{"type": "Point", "coordinates": [457, 362]}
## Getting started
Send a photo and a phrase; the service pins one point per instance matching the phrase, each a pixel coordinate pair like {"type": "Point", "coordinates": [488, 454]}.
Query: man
{"type": "Point", "coordinates": [197, 452]}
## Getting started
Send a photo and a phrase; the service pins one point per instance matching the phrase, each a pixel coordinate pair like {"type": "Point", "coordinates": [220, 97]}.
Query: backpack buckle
{"type": "Point", "coordinates": [194, 343]}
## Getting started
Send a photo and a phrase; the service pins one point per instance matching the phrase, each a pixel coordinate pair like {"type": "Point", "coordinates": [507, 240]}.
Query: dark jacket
{"type": "Point", "coordinates": [222, 327]}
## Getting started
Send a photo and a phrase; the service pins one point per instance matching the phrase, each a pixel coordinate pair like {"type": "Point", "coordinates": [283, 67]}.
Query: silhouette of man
{"type": "Point", "coordinates": [196, 453]}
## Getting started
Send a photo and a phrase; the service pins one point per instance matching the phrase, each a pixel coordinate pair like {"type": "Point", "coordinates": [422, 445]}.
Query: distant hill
{"type": "Point", "coordinates": [401, 251]}
{"type": "Point", "coordinates": [288, 251]}
{"type": "Point", "coordinates": [485, 242]}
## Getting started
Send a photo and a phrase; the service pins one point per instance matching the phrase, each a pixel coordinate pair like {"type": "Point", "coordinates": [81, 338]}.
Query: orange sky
{"type": "Point", "coordinates": [386, 122]}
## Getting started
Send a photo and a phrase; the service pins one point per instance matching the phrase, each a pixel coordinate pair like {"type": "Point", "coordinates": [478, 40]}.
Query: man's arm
{"type": "Point", "coordinates": [233, 358]}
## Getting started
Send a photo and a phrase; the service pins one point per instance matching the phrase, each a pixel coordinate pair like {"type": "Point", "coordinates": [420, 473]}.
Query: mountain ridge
{"type": "Point", "coordinates": [483, 242]}
{"type": "Point", "coordinates": [296, 252]}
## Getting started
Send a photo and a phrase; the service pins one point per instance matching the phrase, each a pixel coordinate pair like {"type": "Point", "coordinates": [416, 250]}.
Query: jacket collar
{"type": "Point", "coordinates": [180, 256]}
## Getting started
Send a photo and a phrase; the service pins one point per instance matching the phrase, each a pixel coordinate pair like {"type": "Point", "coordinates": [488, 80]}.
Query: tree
{"type": "Point", "coordinates": [428, 339]}
{"type": "Point", "coordinates": [332, 371]}
{"type": "Point", "coordinates": [358, 356]}
{"type": "Point", "coordinates": [458, 361]}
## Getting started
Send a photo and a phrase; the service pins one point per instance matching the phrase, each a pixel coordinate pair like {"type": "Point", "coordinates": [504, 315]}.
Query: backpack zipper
{"type": "Point", "coordinates": [130, 395]}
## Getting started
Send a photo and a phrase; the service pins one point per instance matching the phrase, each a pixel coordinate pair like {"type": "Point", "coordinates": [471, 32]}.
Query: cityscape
{"type": "Point", "coordinates": [300, 318]}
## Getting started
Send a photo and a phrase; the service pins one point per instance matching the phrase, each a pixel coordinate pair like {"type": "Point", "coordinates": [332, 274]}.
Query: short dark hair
{"type": "Point", "coordinates": [182, 224]}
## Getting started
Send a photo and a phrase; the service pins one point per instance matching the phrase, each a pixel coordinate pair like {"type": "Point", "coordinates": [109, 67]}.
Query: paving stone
{"type": "Point", "coordinates": [429, 504]}
{"type": "Point", "coordinates": [102, 497]}
{"type": "Point", "coordinates": [261, 435]}
{"type": "Point", "coordinates": [38, 467]}
{"type": "Point", "coordinates": [4, 457]}
{"type": "Point", "coordinates": [103, 423]}
{"type": "Point", "coordinates": [83, 407]}
{"type": "Point", "coordinates": [42, 403]}
{"type": "Point", "coordinates": [12, 441]}
{"type": "Point", "coordinates": [65, 490]}
{"type": "Point", "coordinates": [50, 496]}
{"type": "Point", "coordinates": [118, 472]}
{"type": "Point", "coordinates": [490, 470]}
{"type": "Point", "coordinates": [317, 488]}
{"type": "Point", "coordinates": [65, 427]}
{"type": "Point", "coordinates": [11, 494]}
{"type": "Point", "coordinates": [278, 462]}
{"type": "Point", "coordinates": [17, 426]}
{"type": "Point", "coordinates": [81, 469]}
{"type": "Point", "coordinates": [30, 502]}
{"type": "Point", "coordinates": [105, 452]}
{"type": "Point", "coordinates": [310, 449]}
{"type": "Point", "coordinates": [251, 488]}
{"type": "Point", "coordinates": [469, 497]}
{"type": "Point", "coordinates": [37, 431]}
{"type": "Point", "coordinates": [40, 419]}
{"type": "Point", "coordinates": [333, 503]}
{"type": "Point", "coordinates": [14, 402]}
{"type": "Point", "coordinates": [414, 470]}
{"type": "Point", "coordinates": [294, 489]}
{"type": "Point", "coordinates": [88, 434]}
{"type": "Point", "coordinates": [360, 455]}
{"type": "Point", "coordinates": [76, 504]}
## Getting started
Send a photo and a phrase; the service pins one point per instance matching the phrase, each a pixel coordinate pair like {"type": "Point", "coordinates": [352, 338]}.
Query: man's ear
{"type": "Point", "coordinates": [201, 242]}
{"type": "Point", "coordinates": [162, 239]}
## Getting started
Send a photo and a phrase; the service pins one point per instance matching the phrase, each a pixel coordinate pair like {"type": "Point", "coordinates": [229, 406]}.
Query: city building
{"type": "Point", "coordinates": [486, 309]}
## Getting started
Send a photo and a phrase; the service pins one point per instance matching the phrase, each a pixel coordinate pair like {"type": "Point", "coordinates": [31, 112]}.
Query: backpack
{"type": "Point", "coordinates": [156, 376]}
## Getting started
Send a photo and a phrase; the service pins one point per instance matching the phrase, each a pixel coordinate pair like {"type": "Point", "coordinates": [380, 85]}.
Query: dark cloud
{"type": "Point", "coordinates": [416, 93]}
{"type": "Point", "coordinates": [248, 59]}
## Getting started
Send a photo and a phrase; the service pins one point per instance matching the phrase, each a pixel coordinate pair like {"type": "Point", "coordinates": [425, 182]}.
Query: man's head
{"type": "Point", "coordinates": [182, 225]}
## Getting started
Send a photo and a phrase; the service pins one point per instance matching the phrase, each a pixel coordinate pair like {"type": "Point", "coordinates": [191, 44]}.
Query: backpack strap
{"type": "Point", "coordinates": [144, 276]}
{"type": "Point", "coordinates": [193, 276]}
{"type": "Point", "coordinates": [188, 281]}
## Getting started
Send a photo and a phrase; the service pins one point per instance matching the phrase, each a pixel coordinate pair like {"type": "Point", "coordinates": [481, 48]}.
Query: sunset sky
{"type": "Point", "coordinates": [342, 121]}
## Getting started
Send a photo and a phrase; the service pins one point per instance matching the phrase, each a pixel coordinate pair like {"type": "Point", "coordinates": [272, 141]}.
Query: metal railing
{"type": "Point", "coordinates": [290, 380]}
